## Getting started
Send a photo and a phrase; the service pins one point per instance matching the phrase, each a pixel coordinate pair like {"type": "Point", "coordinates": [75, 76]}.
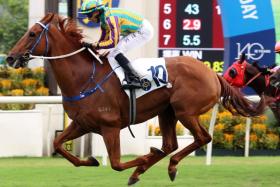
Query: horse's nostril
{"type": "Point", "coordinates": [10, 59]}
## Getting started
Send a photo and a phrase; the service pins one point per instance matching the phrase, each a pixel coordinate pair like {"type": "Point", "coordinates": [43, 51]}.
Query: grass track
{"type": "Point", "coordinates": [225, 171]}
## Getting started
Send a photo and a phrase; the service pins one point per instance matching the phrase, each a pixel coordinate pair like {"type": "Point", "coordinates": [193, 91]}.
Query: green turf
{"type": "Point", "coordinates": [225, 171]}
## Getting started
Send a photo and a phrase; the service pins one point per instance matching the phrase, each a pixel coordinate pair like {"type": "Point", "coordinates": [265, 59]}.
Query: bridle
{"type": "Point", "coordinates": [266, 77]}
{"type": "Point", "coordinates": [28, 55]}
{"type": "Point", "coordinates": [44, 31]}
{"type": "Point", "coordinates": [240, 68]}
{"type": "Point", "coordinates": [255, 77]}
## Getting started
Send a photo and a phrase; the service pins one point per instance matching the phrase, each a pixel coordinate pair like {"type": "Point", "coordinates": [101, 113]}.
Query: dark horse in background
{"type": "Point", "coordinates": [195, 89]}
{"type": "Point", "coordinates": [261, 79]}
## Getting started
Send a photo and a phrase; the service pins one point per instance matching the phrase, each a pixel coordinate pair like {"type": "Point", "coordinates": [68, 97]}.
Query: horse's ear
{"type": "Point", "coordinates": [242, 58]}
{"type": "Point", "coordinates": [49, 16]}
{"type": "Point", "coordinates": [55, 19]}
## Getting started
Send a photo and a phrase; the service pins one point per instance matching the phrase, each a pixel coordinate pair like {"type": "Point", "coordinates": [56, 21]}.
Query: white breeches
{"type": "Point", "coordinates": [133, 40]}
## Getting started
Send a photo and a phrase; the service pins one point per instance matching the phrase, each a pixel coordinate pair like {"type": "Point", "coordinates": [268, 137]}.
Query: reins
{"type": "Point", "coordinates": [68, 55]}
{"type": "Point", "coordinates": [83, 93]}
{"type": "Point", "coordinates": [59, 56]}
{"type": "Point", "coordinates": [252, 79]}
{"type": "Point", "coordinates": [45, 30]}
{"type": "Point", "coordinates": [267, 83]}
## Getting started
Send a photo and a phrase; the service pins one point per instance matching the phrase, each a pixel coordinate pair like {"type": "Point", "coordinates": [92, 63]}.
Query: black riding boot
{"type": "Point", "coordinates": [133, 80]}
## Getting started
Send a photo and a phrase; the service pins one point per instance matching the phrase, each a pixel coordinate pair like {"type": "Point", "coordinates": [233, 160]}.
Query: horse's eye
{"type": "Point", "coordinates": [32, 34]}
{"type": "Point", "coordinates": [232, 73]}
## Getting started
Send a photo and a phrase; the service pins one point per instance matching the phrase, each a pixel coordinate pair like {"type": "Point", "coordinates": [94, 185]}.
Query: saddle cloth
{"type": "Point", "coordinates": [154, 70]}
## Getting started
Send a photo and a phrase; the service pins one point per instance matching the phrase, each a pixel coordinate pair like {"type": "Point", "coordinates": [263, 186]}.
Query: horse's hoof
{"type": "Point", "coordinates": [93, 161]}
{"type": "Point", "coordinates": [173, 174]}
{"type": "Point", "coordinates": [132, 181]}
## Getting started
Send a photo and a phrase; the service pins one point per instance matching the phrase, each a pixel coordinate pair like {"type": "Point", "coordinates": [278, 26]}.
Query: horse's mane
{"type": "Point", "coordinates": [264, 70]}
{"type": "Point", "coordinates": [69, 27]}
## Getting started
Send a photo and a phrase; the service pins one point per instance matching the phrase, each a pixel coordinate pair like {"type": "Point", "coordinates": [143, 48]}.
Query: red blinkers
{"type": "Point", "coordinates": [235, 74]}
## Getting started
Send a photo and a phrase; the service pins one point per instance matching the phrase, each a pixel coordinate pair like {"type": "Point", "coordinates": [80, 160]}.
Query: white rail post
{"type": "Point", "coordinates": [247, 136]}
{"type": "Point", "coordinates": [211, 132]}
{"type": "Point", "coordinates": [104, 159]}
{"type": "Point", "coordinates": [48, 130]}
{"type": "Point", "coordinates": [82, 148]}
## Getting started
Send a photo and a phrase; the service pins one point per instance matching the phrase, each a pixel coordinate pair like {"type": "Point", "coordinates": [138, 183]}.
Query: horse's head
{"type": "Point", "coordinates": [241, 73]}
{"type": "Point", "coordinates": [235, 74]}
{"type": "Point", "coordinates": [38, 40]}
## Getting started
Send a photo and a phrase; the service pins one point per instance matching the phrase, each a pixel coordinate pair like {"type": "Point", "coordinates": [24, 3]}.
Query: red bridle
{"type": "Point", "coordinates": [239, 79]}
{"type": "Point", "coordinates": [239, 70]}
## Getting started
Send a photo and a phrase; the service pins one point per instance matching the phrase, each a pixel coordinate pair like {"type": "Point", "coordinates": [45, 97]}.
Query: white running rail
{"type": "Point", "coordinates": [44, 100]}
{"type": "Point", "coordinates": [58, 100]}
{"type": "Point", "coordinates": [211, 131]}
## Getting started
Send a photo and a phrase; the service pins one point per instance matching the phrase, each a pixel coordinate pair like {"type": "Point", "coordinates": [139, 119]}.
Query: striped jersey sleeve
{"type": "Point", "coordinates": [110, 37]}
{"type": "Point", "coordinates": [116, 22]}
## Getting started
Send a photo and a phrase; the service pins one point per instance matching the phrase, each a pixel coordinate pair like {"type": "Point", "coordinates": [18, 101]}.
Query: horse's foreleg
{"type": "Point", "coordinates": [111, 138]}
{"type": "Point", "coordinates": [167, 123]}
{"type": "Point", "coordinates": [201, 137]}
{"type": "Point", "coordinates": [72, 132]}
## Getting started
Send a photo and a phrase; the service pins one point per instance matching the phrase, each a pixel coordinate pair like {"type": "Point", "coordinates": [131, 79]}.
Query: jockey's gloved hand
{"type": "Point", "coordinates": [87, 45]}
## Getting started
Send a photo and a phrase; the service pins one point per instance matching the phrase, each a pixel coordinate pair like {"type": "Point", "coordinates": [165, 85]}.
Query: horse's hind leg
{"type": "Point", "coordinates": [111, 136]}
{"type": "Point", "coordinates": [72, 132]}
{"type": "Point", "coordinates": [167, 123]}
{"type": "Point", "coordinates": [201, 137]}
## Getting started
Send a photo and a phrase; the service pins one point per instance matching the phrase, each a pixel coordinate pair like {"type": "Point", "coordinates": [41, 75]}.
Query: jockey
{"type": "Point", "coordinates": [275, 77]}
{"type": "Point", "coordinates": [277, 50]}
{"type": "Point", "coordinates": [277, 47]}
{"type": "Point", "coordinates": [121, 30]}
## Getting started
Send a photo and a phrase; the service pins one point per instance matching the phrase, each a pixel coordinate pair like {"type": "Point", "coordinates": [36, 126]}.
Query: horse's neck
{"type": "Point", "coordinates": [72, 73]}
{"type": "Point", "coordinates": [258, 85]}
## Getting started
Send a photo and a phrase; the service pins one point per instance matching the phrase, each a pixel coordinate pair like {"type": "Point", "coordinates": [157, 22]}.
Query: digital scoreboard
{"type": "Point", "coordinates": [192, 28]}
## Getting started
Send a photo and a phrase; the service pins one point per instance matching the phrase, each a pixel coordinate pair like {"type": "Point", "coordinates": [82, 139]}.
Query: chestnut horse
{"type": "Point", "coordinates": [241, 74]}
{"type": "Point", "coordinates": [105, 111]}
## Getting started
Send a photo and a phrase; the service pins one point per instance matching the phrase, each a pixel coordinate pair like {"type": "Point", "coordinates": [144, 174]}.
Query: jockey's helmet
{"type": "Point", "coordinates": [91, 6]}
{"type": "Point", "coordinates": [277, 47]}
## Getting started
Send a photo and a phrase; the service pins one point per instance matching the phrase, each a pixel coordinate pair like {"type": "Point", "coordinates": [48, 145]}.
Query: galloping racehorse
{"type": "Point", "coordinates": [104, 110]}
{"type": "Point", "coordinates": [242, 74]}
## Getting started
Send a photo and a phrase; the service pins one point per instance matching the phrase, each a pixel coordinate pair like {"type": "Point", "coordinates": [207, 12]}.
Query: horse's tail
{"type": "Point", "coordinates": [236, 103]}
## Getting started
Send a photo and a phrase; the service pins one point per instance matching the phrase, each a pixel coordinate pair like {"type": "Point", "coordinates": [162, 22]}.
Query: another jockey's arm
{"type": "Point", "coordinates": [112, 35]}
